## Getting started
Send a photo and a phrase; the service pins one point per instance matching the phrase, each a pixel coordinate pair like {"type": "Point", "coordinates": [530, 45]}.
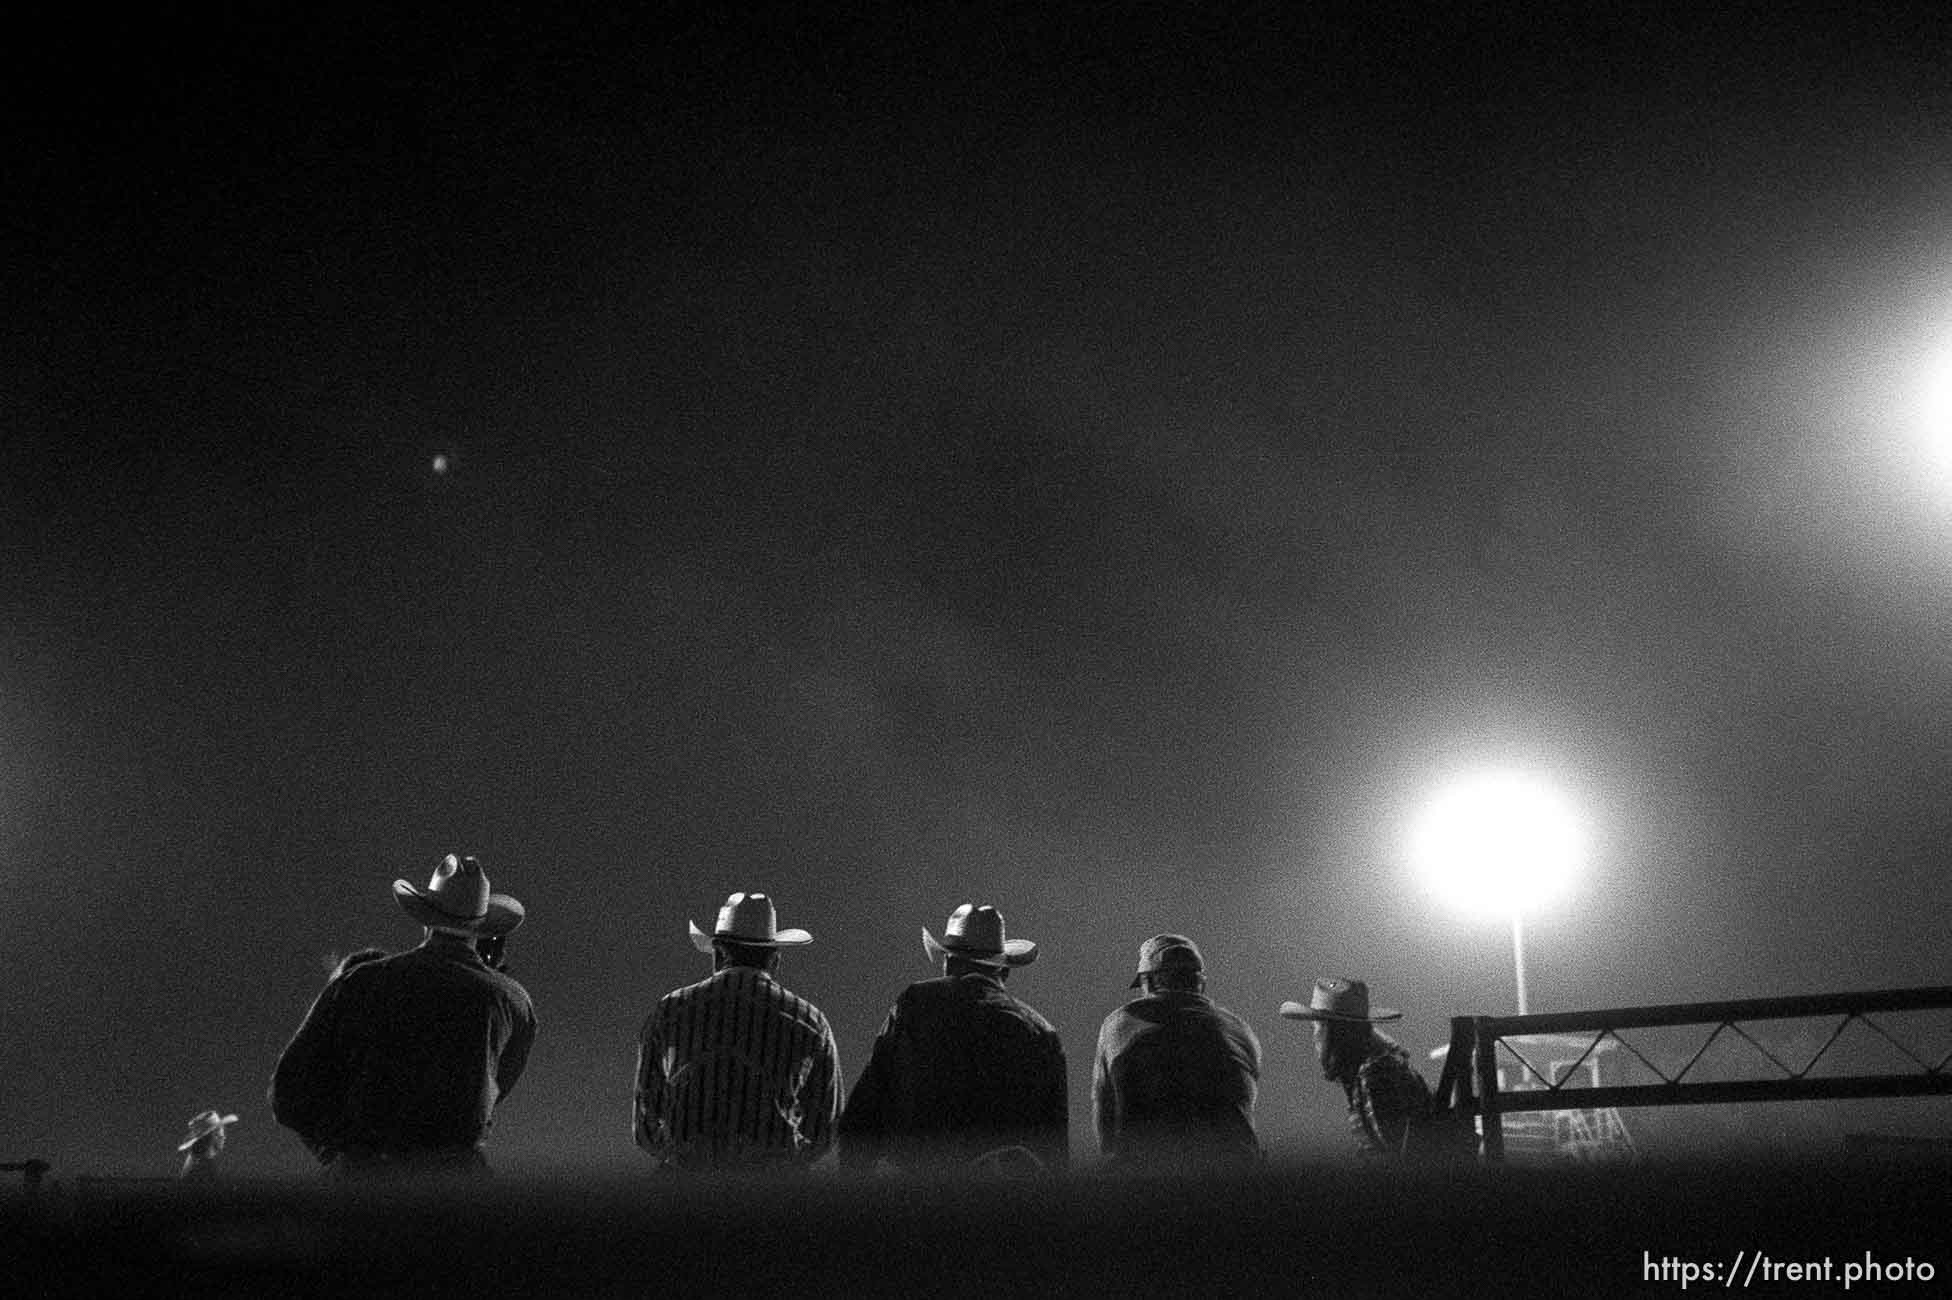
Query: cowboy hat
{"type": "Point", "coordinates": [976, 934]}
{"type": "Point", "coordinates": [457, 898]}
{"type": "Point", "coordinates": [748, 919]}
{"type": "Point", "coordinates": [1167, 952]}
{"type": "Point", "coordinates": [1339, 999]}
{"type": "Point", "coordinates": [202, 1125]}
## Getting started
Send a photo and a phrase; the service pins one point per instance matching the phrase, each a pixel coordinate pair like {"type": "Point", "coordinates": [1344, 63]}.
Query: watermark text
{"type": "Point", "coordinates": [1749, 1267]}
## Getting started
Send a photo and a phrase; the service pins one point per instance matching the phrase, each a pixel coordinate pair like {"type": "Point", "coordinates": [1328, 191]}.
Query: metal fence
{"type": "Point", "coordinates": [1470, 1083]}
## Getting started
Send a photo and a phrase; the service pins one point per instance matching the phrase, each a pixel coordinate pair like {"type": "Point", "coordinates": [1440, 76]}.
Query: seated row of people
{"type": "Point", "coordinates": [402, 1059]}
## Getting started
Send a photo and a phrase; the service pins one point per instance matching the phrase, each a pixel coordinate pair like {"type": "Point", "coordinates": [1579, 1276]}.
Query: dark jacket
{"type": "Point", "coordinates": [1175, 1078]}
{"type": "Point", "coordinates": [405, 1055]}
{"type": "Point", "coordinates": [960, 1068]}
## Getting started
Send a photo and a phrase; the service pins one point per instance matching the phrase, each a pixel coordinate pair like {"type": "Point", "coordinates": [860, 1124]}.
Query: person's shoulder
{"type": "Point", "coordinates": [816, 1018]}
{"type": "Point", "coordinates": [674, 1002]}
{"type": "Point", "coordinates": [803, 1007]}
{"type": "Point", "coordinates": [372, 976]}
{"type": "Point", "coordinates": [498, 987]}
{"type": "Point", "coordinates": [359, 974]}
{"type": "Point", "coordinates": [1125, 1022]}
{"type": "Point", "coordinates": [513, 989]}
{"type": "Point", "coordinates": [1391, 1063]}
{"type": "Point", "coordinates": [1034, 1018]}
{"type": "Point", "coordinates": [1231, 1018]}
{"type": "Point", "coordinates": [352, 961]}
{"type": "Point", "coordinates": [692, 992]}
{"type": "Point", "coordinates": [1234, 1026]}
{"type": "Point", "coordinates": [922, 992]}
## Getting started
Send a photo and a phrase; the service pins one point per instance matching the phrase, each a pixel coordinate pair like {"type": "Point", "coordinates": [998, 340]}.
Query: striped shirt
{"type": "Point", "coordinates": [736, 1072]}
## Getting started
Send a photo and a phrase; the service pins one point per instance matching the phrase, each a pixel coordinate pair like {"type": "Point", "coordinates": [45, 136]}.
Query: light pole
{"type": "Point", "coordinates": [1518, 959]}
{"type": "Point", "coordinates": [1495, 844]}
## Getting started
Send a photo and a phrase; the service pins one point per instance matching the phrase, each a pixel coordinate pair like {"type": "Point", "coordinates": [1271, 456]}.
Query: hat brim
{"type": "Point", "coordinates": [503, 915]}
{"type": "Point", "coordinates": [223, 1122]}
{"type": "Point", "coordinates": [781, 939]}
{"type": "Point", "coordinates": [1016, 952]}
{"type": "Point", "coordinates": [1302, 1011]}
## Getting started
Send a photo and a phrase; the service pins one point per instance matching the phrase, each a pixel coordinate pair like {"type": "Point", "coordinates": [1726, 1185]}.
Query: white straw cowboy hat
{"type": "Point", "coordinates": [1167, 952]}
{"type": "Point", "coordinates": [751, 920]}
{"type": "Point", "coordinates": [202, 1125]}
{"type": "Point", "coordinates": [1339, 999]}
{"type": "Point", "coordinates": [457, 898]}
{"type": "Point", "coordinates": [976, 934]}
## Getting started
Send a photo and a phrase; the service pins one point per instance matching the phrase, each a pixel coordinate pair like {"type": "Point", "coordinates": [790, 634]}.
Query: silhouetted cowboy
{"type": "Point", "coordinates": [735, 1072]}
{"type": "Point", "coordinates": [961, 1068]}
{"type": "Point", "coordinates": [402, 1060]}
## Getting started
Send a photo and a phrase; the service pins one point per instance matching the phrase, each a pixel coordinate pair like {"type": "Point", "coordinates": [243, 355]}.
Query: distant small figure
{"type": "Point", "coordinates": [961, 1070]}
{"type": "Point", "coordinates": [204, 1143]}
{"type": "Point", "coordinates": [736, 1073]}
{"type": "Point", "coordinates": [1174, 1081]}
{"type": "Point", "coordinates": [1385, 1093]}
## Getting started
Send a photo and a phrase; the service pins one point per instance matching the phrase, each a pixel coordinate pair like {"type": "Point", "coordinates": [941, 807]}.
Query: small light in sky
{"type": "Point", "coordinates": [1497, 843]}
{"type": "Point", "coordinates": [440, 464]}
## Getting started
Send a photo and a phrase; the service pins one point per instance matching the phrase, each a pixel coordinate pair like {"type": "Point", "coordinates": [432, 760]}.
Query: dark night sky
{"type": "Point", "coordinates": [1112, 465]}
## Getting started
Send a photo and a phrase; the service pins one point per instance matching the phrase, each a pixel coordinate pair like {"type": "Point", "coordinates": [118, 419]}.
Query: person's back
{"type": "Point", "coordinates": [1182, 1073]}
{"type": "Point", "coordinates": [400, 1062]}
{"type": "Point", "coordinates": [1175, 1076]}
{"type": "Point", "coordinates": [434, 1040]}
{"type": "Point", "coordinates": [961, 1068]}
{"type": "Point", "coordinates": [745, 1070]}
{"type": "Point", "coordinates": [980, 1065]}
{"type": "Point", "coordinates": [735, 1072]}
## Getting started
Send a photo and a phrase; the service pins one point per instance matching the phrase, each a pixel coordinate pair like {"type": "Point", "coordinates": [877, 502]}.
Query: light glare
{"type": "Point", "coordinates": [1497, 844]}
{"type": "Point", "coordinates": [1935, 412]}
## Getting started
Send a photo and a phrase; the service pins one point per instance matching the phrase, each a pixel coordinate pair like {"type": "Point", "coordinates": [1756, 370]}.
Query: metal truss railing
{"type": "Point", "coordinates": [1470, 1083]}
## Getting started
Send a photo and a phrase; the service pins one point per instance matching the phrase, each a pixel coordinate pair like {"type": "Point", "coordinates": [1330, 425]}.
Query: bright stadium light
{"type": "Point", "coordinates": [1935, 410]}
{"type": "Point", "coordinates": [1499, 844]}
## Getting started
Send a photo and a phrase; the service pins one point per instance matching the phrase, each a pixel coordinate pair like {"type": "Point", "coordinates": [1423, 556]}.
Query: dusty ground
{"type": "Point", "coordinates": [1288, 1231]}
